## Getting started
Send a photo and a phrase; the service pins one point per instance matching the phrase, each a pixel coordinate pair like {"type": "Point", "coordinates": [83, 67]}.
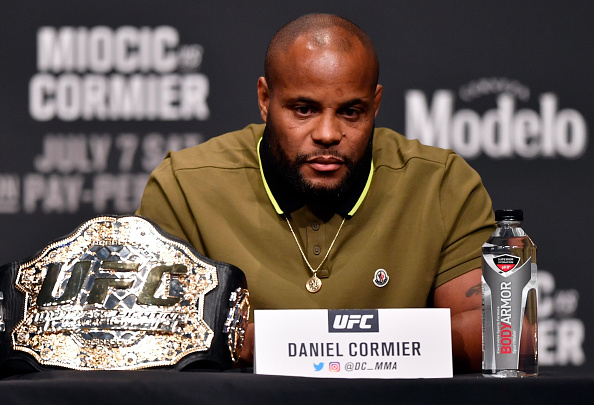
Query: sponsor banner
{"type": "Point", "coordinates": [561, 334]}
{"type": "Point", "coordinates": [88, 73]}
{"type": "Point", "coordinates": [103, 172]}
{"type": "Point", "coordinates": [378, 343]}
{"type": "Point", "coordinates": [504, 132]}
{"type": "Point", "coordinates": [99, 73]}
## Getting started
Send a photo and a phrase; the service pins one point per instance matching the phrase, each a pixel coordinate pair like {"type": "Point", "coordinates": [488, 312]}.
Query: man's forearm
{"type": "Point", "coordinates": [467, 341]}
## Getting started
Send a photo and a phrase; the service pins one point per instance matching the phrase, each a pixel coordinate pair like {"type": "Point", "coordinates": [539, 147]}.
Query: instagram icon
{"type": "Point", "coordinates": [334, 367]}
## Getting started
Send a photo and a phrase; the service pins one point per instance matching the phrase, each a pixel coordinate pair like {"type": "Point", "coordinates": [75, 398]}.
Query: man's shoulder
{"type": "Point", "coordinates": [396, 151]}
{"type": "Point", "coordinates": [233, 150]}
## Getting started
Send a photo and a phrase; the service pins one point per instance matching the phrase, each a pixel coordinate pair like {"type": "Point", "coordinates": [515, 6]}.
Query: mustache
{"type": "Point", "coordinates": [304, 157]}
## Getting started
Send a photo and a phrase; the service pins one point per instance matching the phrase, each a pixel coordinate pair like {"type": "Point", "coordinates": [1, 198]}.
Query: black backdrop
{"type": "Point", "coordinates": [505, 83]}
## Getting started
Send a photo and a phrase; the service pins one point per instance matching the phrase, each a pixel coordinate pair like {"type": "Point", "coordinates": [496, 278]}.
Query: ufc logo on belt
{"type": "Point", "coordinates": [353, 320]}
{"type": "Point", "coordinates": [103, 280]}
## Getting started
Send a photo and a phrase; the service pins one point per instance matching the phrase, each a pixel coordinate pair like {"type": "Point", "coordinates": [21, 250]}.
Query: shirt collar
{"type": "Point", "coordinates": [285, 200]}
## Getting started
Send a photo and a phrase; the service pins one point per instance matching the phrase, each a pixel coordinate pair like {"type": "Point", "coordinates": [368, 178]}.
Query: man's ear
{"type": "Point", "coordinates": [263, 98]}
{"type": "Point", "coordinates": [377, 98]}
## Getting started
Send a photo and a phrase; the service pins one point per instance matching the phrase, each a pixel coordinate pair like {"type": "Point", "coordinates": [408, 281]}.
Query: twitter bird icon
{"type": "Point", "coordinates": [319, 366]}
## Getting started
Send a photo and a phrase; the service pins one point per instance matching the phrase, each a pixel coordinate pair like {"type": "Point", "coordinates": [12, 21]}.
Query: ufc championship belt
{"type": "Point", "coordinates": [120, 294]}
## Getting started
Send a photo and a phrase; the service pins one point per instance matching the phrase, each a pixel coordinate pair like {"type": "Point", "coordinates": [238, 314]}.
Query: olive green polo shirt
{"type": "Point", "coordinates": [422, 218]}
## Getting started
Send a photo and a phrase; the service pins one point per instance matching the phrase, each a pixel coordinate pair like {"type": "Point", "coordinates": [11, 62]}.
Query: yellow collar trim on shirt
{"type": "Point", "coordinates": [278, 209]}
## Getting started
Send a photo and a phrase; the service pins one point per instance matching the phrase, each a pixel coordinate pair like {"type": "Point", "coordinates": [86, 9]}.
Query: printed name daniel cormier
{"type": "Point", "coordinates": [362, 349]}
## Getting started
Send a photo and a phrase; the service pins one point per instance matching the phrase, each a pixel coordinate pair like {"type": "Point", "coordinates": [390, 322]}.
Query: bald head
{"type": "Point", "coordinates": [325, 31]}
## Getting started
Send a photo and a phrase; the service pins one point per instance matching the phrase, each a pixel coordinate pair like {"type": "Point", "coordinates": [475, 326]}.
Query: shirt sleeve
{"type": "Point", "coordinates": [164, 203]}
{"type": "Point", "coordinates": [467, 218]}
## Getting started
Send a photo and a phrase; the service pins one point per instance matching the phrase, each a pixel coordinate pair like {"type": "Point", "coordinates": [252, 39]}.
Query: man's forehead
{"type": "Point", "coordinates": [329, 39]}
{"type": "Point", "coordinates": [325, 67]}
{"type": "Point", "coordinates": [307, 55]}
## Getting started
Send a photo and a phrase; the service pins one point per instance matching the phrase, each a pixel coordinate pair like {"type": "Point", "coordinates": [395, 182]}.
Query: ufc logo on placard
{"type": "Point", "coordinates": [353, 320]}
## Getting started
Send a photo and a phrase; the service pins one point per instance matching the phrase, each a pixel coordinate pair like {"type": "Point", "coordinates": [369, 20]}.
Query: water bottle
{"type": "Point", "coordinates": [510, 328]}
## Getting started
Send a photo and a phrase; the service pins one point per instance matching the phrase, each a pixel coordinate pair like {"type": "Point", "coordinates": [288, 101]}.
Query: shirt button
{"type": "Point", "coordinates": [315, 226]}
{"type": "Point", "coordinates": [317, 250]}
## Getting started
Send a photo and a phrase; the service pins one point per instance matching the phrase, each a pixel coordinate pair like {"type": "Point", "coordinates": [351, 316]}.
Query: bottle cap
{"type": "Point", "coordinates": [509, 215]}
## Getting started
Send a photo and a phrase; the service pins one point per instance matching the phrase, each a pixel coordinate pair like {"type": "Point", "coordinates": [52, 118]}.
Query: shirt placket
{"type": "Point", "coordinates": [317, 236]}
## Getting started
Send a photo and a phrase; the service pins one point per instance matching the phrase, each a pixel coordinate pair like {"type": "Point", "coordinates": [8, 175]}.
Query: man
{"type": "Point", "coordinates": [318, 208]}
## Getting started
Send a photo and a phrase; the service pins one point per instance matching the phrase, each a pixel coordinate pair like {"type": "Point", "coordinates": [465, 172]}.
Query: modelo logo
{"type": "Point", "coordinates": [353, 320]}
{"type": "Point", "coordinates": [500, 133]}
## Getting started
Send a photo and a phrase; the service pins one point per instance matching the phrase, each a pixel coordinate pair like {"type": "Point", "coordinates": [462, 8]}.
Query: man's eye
{"type": "Point", "coordinates": [350, 112]}
{"type": "Point", "coordinates": [303, 110]}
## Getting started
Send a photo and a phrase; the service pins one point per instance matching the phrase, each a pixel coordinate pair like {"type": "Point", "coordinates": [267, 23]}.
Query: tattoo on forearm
{"type": "Point", "coordinates": [474, 290]}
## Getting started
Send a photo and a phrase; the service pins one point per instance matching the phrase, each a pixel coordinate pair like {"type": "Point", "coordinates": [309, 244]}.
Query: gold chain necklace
{"type": "Point", "coordinates": [314, 284]}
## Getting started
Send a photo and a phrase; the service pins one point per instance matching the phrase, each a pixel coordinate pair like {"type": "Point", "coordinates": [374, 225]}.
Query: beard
{"type": "Point", "coordinates": [290, 169]}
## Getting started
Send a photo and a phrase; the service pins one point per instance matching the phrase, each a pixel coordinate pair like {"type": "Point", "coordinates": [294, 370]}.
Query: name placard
{"type": "Point", "coordinates": [354, 343]}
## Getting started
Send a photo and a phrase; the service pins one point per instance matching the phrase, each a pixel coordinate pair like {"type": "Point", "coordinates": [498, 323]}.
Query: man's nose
{"type": "Point", "coordinates": [328, 130]}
